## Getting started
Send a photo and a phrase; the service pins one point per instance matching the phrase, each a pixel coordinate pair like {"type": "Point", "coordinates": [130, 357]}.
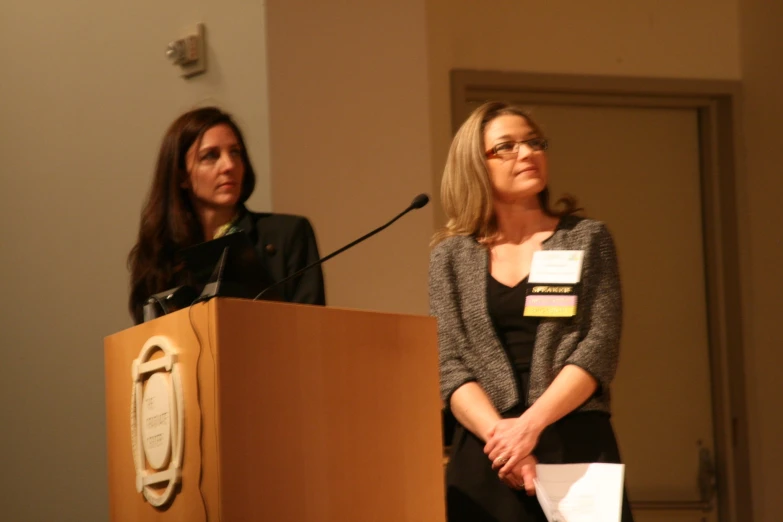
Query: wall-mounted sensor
{"type": "Point", "coordinates": [189, 52]}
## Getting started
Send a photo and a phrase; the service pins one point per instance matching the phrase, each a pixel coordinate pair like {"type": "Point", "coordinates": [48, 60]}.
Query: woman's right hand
{"type": "Point", "coordinates": [522, 476]}
{"type": "Point", "coordinates": [510, 441]}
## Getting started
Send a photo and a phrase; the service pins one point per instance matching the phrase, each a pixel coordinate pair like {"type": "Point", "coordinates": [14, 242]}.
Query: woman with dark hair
{"type": "Point", "coordinates": [527, 382]}
{"type": "Point", "coordinates": [202, 179]}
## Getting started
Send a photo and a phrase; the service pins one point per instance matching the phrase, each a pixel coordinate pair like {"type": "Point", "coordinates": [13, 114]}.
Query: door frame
{"type": "Point", "coordinates": [716, 103]}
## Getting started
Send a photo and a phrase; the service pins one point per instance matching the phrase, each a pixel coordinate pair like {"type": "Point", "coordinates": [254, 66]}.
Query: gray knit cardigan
{"type": "Point", "coordinates": [469, 348]}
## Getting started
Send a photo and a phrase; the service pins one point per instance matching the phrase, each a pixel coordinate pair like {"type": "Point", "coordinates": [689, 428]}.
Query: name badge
{"type": "Point", "coordinates": [552, 284]}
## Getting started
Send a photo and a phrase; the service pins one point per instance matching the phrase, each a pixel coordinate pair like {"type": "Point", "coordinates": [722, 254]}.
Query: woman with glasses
{"type": "Point", "coordinates": [526, 365]}
{"type": "Point", "coordinates": [203, 176]}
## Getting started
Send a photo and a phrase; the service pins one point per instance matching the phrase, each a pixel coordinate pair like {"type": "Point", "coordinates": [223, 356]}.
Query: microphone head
{"type": "Point", "coordinates": [420, 200]}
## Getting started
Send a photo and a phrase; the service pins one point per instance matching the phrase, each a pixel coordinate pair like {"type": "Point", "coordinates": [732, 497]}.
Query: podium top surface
{"type": "Point", "coordinates": [220, 303]}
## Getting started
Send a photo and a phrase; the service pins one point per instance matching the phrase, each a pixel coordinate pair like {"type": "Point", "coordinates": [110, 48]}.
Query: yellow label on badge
{"type": "Point", "coordinates": [550, 311]}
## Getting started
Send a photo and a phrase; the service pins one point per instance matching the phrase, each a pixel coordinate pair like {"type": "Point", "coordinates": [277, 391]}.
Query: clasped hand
{"type": "Point", "coordinates": [509, 448]}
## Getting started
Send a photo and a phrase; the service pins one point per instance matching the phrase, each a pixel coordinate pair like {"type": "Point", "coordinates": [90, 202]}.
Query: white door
{"type": "Point", "coordinates": [638, 171]}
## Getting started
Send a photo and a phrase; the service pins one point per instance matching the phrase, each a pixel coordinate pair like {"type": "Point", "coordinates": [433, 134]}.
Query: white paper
{"type": "Point", "coordinates": [556, 267]}
{"type": "Point", "coordinates": [580, 492]}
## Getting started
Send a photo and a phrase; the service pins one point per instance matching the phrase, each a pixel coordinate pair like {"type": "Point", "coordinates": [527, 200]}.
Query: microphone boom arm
{"type": "Point", "coordinates": [418, 202]}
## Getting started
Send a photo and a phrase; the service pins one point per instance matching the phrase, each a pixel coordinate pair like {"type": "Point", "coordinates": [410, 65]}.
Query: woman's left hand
{"type": "Point", "coordinates": [510, 441]}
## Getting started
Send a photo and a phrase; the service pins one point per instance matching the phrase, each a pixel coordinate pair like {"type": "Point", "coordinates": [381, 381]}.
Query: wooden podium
{"type": "Point", "coordinates": [291, 413]}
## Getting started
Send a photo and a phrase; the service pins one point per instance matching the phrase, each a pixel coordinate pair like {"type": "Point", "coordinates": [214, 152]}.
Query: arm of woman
{"type": "Point", "coordinates": [303, 251]}
{"type": "Point", "coordinates": [590, 368]}
{"type": "Point", "coordinates": [473, 409]}
{"type": "Point", "coordinates": [513, 439]}
{"type": "Point", "coordinates": [460, 392]}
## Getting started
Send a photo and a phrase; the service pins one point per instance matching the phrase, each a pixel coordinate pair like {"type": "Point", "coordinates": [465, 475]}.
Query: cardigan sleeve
{"type": "Point", "coordinates": [452, 339]}
{"type": "Point", "coordinates": [598, 351]}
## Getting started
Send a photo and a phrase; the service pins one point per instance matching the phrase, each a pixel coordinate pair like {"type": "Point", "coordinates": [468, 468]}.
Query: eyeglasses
{"type": "Point", "coordinates": [510, 149]}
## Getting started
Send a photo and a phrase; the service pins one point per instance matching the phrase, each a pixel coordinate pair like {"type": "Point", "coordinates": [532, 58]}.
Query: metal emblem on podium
{"type": "Point", "coordinates": [157, 421]}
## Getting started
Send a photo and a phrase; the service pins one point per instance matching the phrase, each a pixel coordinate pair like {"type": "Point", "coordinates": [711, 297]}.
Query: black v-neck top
{"type": "Point", "coordinates": [516, 332]}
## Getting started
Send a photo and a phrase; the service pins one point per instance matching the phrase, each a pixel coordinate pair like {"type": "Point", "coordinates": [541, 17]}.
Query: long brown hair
{"type": "Point", "coordinates": [168, 219]}
{"type": "Point", "coordinates": [466, 192]}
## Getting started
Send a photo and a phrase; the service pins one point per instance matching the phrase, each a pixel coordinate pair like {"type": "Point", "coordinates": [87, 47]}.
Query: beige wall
{"type": "Point", "coordinates": [85, 96]}
{"type": "Point", "coordinates": [350, 141]}
{"type": "Point", "coordinates": [692, 39]}
{"type": "Point", "coordinates": [762, 76]}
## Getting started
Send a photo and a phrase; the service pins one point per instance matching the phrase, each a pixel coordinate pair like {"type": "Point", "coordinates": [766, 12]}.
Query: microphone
{"type": "Point", "coordinates": [418, 202]}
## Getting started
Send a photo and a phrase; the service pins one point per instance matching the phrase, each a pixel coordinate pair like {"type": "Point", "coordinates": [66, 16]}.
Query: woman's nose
{"type": "Point", "coordinates": [228, 162]}
{"type": "Point", "coordinates": [525, 150]}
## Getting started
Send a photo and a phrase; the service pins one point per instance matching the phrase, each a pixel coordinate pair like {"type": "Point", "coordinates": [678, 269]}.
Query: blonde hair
{"type": "Point", "coordinates": [465, 190]}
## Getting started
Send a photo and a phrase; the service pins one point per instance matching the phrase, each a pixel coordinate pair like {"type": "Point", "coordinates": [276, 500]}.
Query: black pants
{"type": "Point", "coordinates": [474, 493]}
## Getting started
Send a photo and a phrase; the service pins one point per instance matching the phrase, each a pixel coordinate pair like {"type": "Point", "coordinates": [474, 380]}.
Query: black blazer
{"type": "Point", "coordinates": [286, 243]}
